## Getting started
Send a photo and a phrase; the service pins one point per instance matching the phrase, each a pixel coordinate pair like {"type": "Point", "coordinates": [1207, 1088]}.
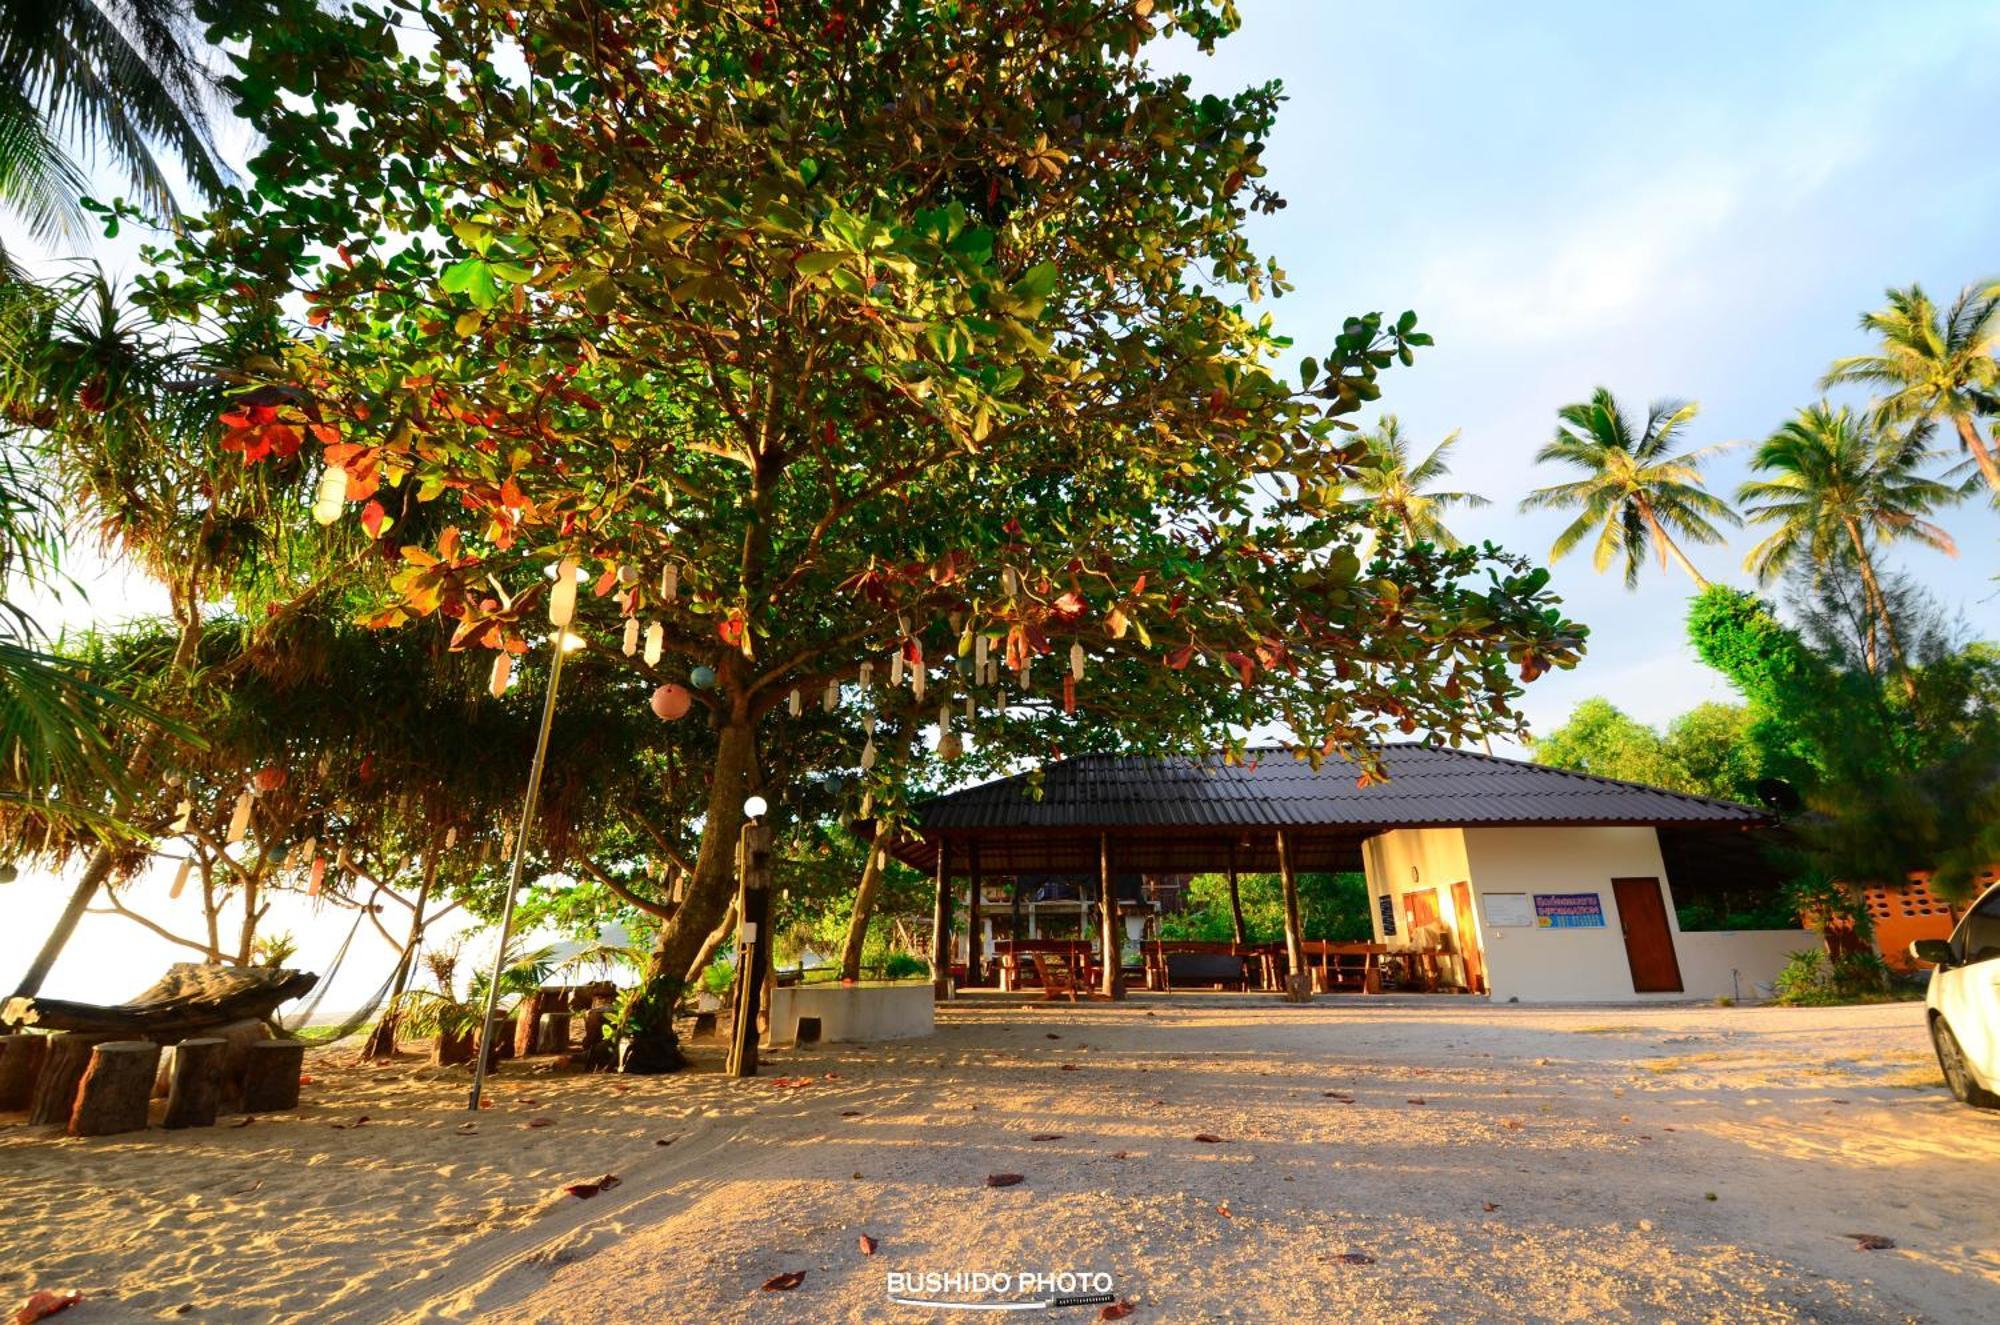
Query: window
{"type": "Point", "coordinates": [1978, 937]}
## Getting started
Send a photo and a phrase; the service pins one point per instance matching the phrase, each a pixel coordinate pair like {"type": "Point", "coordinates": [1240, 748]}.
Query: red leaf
{"type": "Point", "coordinates": [1004, 1179]}
{"type": "Point", "coordinates": [42, 1304]}
{"type": "Point", "coordinates": [583, 1191]}
{"type": "Point", "coordinates": [1223, 1210]}
{"type": "Point", "coordinates": [1046, 1136]}
{"type": "Point", "coordinates": [1208, 1138]}
{"type": "Point", "coordinates": [541, 1122]}
{"type": "Point", "coordinates": [372, 516]}
{"type": "Point", "coordinates": [1179, 658]}
{"type": "Point", "coordinates": [786, 1282]}
{"type": "Point", "coordinates": [867, 1244]}
{"type": "Point", "coordinates": [1116, 1310]}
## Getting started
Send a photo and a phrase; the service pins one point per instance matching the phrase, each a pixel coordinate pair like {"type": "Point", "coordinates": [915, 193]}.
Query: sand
{"type": "Point", "coordinates": [1494, 1164]}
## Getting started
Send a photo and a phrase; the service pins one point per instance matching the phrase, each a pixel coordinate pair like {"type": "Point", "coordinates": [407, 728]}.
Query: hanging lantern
{"type": "Point", "coordinates": [831, 699]}
{"type": "Point", "coordinates": [981, 645]}
{"type": "Point", "coordinates": [896, 668]}
{"type": "Point", "coordinates": [628, 575]}
{"type": "Point", "coordinates": [670, 582]}
{"type": "Point", "coordinates": [1025, 677]}
{"type": "Point", "coordinates": [1010, 581]}
{"type": "Point", "coordinates": [181, 877]}
{"type": "Point", "coordinates": [631, 645]}
{"type": "Point", "coordinates": [330, 497]}
{"type": "Point", "coordinates": [1076, 661]}
{"type": "Point", "coordinates": [917, 681]}
{"type": "Point", "coordinates": [968, 710]}
{"type": "Point", "coordinates": [944, 718]}
{"type": "Point", "coordinates": [268, 778]}
{"type": "Point", "coordinates": [671, 702]}
{"type": "Point", "coordinates": [703, 677]}
{"type": "Point", "coordinates": [239, 819]}
{"type": "Point", "coordinates": [793, 704]}
{"type": "Point", "coordinates": [562, 598]}
{"type": "Point", "coordinates": [868, 756]}
{"type": "Point", "coordinates": [867, 674]}
{"type": "Point", "coordinates": [451, 837]}
{"type": "Point", "coordinates": [950, 746]}
{"type": "Point", "coordinates": [503, 667]}
{"type": "Point", "coordinates": [868, 723]}
{"type": "Point", "coordinates": [317, 877]}
{"type": "Point", "coordinates": [183, 813]}
{"type": "Point", "coordinates": [309, 848]}
{"type": "Point", "coordinates": [656, 643]}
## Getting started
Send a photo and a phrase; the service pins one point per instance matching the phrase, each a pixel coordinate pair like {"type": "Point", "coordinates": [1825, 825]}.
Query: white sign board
{"type": "Point", "coordinates": [1509, 910]}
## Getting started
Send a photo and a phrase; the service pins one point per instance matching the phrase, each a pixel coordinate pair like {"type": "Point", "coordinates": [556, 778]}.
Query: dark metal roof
{"type": "Point", "coordinates": [1427, 787]}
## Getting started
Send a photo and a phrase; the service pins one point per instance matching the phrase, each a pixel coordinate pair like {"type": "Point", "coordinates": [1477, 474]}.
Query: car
{"type": "Point", "coordinates": [1963, 1005]}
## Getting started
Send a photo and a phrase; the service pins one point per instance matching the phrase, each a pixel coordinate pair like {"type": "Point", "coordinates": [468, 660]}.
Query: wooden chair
{"type": "Point", "coordinates": [1057, 976]}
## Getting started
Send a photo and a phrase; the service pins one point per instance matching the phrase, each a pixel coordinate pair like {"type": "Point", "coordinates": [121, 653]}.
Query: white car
{"type": "Point", "coordinates": [1964, 1002]}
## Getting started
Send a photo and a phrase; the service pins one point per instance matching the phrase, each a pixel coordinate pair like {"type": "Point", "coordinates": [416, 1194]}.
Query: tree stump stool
{"type": "Point", "coordinates": [528, 1024]}
{"type": "Point", "coordinates": [62, 1068]}
{"type": "Point", "coordinates": [599, 1051]}
{"type": "Point", "coordinates": [271, 1076]}
{"type": "Point", "coordinates": [116, 1089]}
{"type": "Point", "coordinates": [554, 1037]}
{"type": "Point", "coordinates": [21, 1059]}
{"type": "Point", "coordinates": [704, 1026]}
{"type": "Point", "coordinates": [195, 1094]}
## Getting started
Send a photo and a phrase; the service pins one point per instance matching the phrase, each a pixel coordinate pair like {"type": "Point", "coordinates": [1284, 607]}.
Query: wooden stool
{"type": "Point", "coordinates": [271, 1076]}
{"type": "Point", "coordinates": [62, 1068]}
{"type": "Point", "coordinates": [21, 1058]}
{"type": "Point", "coordinates": [116, 1089]}
{"type": "Point", "coordinates": [194, 1093]}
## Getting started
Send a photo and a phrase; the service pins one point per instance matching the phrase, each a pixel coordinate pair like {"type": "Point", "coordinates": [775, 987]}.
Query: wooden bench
{"type": "Point", "coordinates": [1058, 977]}
{"type": "Point", "coordinates": [1184, 962]}
{"type": "Point", "coordinates": [1015, 958]}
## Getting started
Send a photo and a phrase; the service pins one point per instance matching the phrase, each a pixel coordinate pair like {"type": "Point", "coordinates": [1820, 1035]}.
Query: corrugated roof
{"type": "Point", "coordinates": [1427, 786]}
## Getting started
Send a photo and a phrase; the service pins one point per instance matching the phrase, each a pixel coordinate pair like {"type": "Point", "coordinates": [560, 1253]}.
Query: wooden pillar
{"type": "Point", "coordinates": [1235, 897]}
{"type": "Point", "coordinates": [194, 1091]}
{"type": "Point", "coordinates": [753, 946]}
{"type": "Point", "coordinates": [1295, 963]}
{"type": "Point", "coordinates": [975, 941]}
{"type": "Point", "coordinates": [941, 922]}
{"type": "Point", "coordinates": [1112, 924]}
{"type": "Point", "coordinates": [116, 1090]}
{"type": "Point", "coordinates": [528, 1025]}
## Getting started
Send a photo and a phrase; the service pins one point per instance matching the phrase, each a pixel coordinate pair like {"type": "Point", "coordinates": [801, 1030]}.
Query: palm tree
{"type": "Point", "coordinates": [1394, 486]}
{"type": "Point", "coordinates": [1637, 487]}
{"type": "Point", "coordinates": [1932, 366]}
{"type": "Point", "coordinates": [1838, 486]}
{"type": "Point", "coordinates": [120, 77]}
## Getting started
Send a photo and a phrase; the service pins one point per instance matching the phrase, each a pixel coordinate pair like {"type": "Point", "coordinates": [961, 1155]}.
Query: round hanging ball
{"type": "Point", "coordinates": [269, 778]}
{"type": "Point", "coordinates": [9, 872]}
{"type": "Point", "coordinates": [672, 702]}
{"type": "Point", "coordinates": [702, 676]}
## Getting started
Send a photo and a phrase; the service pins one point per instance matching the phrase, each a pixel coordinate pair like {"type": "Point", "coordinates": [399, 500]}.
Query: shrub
{"type": "Point", "coordinates": [904, 966]}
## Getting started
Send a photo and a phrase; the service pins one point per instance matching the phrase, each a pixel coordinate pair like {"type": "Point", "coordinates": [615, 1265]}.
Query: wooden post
{"type": "Point", "coordinates": [1295, 961]}
{"type": "Point", "coordinates": [271, 1076]}
{"type": "Point", "coordinates": [753, 946]}
{"type": "Point", "coordinates": [55, 1089]}
{"type": "Point", "coordinates": [941, 924]}
{"type": "Point", "coordinates": [195, 1092]}
{"type": "Point", "coordinates": [116, 1090]}
{"type": "Point", "coordinates": [975, 945]}
{"type": "Point", "coordinates": [20, 1063]}
{"type": "Point", "coordinates": [1113, 925]}
{"type": "Point", "coordinates": [1235, 897]}
{"type": "Point", "coordinates": [528, 1025]}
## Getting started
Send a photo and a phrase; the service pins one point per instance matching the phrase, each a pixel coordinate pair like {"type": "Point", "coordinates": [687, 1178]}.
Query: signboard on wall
{"type": "Point", "coordinates": [1569, 911]}
{"type": "Point", "coordinates": [1509, 910]}
{"type": "Point", "coordinates": [1387, 905]}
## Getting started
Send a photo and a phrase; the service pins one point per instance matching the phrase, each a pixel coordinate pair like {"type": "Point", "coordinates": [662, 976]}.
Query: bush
{"type": "Point", "coordinates": [1810, 980]}
{"type": "Point", "coordinates": [904, 966]}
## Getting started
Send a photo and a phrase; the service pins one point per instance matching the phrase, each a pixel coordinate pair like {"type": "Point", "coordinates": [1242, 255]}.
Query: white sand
{"type": "Point", "coordinates": [1596, 1134]}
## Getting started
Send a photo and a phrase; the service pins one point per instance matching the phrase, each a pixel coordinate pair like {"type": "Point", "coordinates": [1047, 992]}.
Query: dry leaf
{"type": "Point", "coordinates": [1512, 1124]}
{"type": "Point", "coordinates": [468, 1129]}
{"type": "Point", "coordinates": [356, 1123]}
{"type": "Point", "coordinates": [1416, 1099]}
{"type": "Point", "coordinates": [541, 1122]}
{"type": "Point", "coordinates": [1871, 1242]}
{"type": "Point", "coordinates": [1116, 1310]}
{"type": "Point", "coordinates": [1053, 1036]}
{"type": "Point", "coordinates": [786, 1282]}
{"type": "Point", "coordinates": [850, 1113]}
{"type": "Point", "coordinates": [1003, 1179]}
{"type": "Point", "coordinates": [583, 1191]}
{"type": "Point", "coordinates": [1355, 1258]}
{"type": "Point", "coordinates": [1069, 1067]}
{"type": "Point", "coordinates": [1121, 1154]}
{"type": "Point", "coordinates": [1223, 1210]}
{"type": "Point", "coordinates": [867, 1245]}
{"type": "Point", "coordinates": [1208, 1138]}
{"type": "Point", "coordinates": [1340, 1095]}
{"type": "Point", "coordinates": [1489, 1206]}
{"type": "Point", "coordinates": [1046, 1136]}
{"type": "Point", "coordinates": [245, 1120]}
{"type": "Point", "coordinates": [42, 1304]}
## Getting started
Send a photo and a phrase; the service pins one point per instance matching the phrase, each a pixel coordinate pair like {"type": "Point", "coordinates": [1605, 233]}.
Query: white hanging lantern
{"type": "Point", "coordinates": [239, 819]}
{"type": "Point", "coordinates": [1025, 676]}
{"type": "Point", "coordinates": [896, 668]}
{"type": "Point", "coordinates": [867, 674]}
{"type": "Point", "coordinates": [183, 815]}
{"type": "Point", "coordinates": [1010, 581]}
{"type": "Point", "coordinates": [451, 837]}
{"type": "Point", "coordinates": [181, 877]}
{"type": "Point", "coordinates": [1076, 661]}
{"type": "Point", "coordinates": [868, 723]}
{"type": "Point", "coordinates": [980, 646]}
{"type": "Point", "coordinates": [868, 756]}
{"type": "Point", "coordinates": [503, 667]}
{"type": "Point", "coordinates": [631, 635]}
{"type": "Point", "coordinates": [944, 718]}
{"type": "Point", "coordinates": [562, 598]}
{"type": "Point", "coordinates": [656, 643]}
{"type": "Point", "coordinates": [831, 699]}
{"type": "Point", "coordinates": [950, 746]}
{"type": "Point", "coordinates": [330, 497]}
{"type": "Point", "coordinates": [670, 582]}
{"type": "Point", "coordinates": [917, 680]}
{"type": "Point", "coordinates": [308, 849]}
{"type": "Point", "coordinates": [795, 705]}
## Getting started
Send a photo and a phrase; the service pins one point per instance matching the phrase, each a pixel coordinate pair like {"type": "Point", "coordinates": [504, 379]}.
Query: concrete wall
{"type": "Point", "coordinates": [1415, 860]}
{"type": "Point", "coordinates": [860, 1013]}
{"type": "Point", "coordinates": [1755, 955]}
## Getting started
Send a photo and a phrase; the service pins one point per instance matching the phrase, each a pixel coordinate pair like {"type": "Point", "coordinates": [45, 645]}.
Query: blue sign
{"type": "Point", "coordinates": [1569, 911]}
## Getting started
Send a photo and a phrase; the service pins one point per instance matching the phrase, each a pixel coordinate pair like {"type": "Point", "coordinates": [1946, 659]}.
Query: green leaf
{"type": "Point", "coordinates": [601, 295]}
{"type": "Point", "coordinates": [816, 264]}
{"type": "Point", "coordinates": [1309, 372]}
{"type": "Point", "coordinates": [472, 278]}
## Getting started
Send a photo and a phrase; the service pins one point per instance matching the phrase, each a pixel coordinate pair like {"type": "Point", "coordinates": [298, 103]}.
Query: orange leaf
{"type": "Point", "coordinates": [1116, 1310]}
{"type": "Point", "coordinates": [786, 1282]}
{"type": "Point", "coordinates": [42, 1304]}
{"type": "Point", "coordinates": [867, 1245]}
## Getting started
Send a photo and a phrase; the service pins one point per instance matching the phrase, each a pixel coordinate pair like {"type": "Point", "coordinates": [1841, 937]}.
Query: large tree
{"type": "Point", "coordinates": [887, 359]}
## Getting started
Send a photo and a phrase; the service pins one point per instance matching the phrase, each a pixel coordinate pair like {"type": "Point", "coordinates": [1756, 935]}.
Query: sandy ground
{"type": "Point", "coordinates": [1494, 1164]}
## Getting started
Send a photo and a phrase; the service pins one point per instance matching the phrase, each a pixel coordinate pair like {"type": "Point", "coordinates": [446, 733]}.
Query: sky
{"type": "Point", "coordinates": [1693, 201]}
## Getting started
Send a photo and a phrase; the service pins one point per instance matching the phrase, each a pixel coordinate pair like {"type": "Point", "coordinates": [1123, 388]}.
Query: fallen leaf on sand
{"type": "Point", "coordinates": [1117, 1310]}
{"type": "Point", "coordinates": [1046, 1136]}
{"type": "Point", "coordinates": [1069, 1067]}
{"type": "Point", "coordinates": [1416, 1099]}
{"type": "Point", "coordinates": [786, 1282]}
{"type": "Point", "coordinates": [1052, 1036]}
{"type": "Point", "coordinates": [1340, 1095]}
{"type": "Point", "coordinates": [829, 1076]}
{"type": "Point", "coordinates": [583, 1191]}
{"type": "Point", "coordinates": [1354, 1258]}
{"type": "Point", "coordinates": [1489, 1206]}
{"type": "Point", "coordinates": [1223, 1210]}
{"type": "Point", "coordinates": [867, 1244]}
{"type": "Point", "coordinates": [306, 1079]}
{"type": "Point", "coordinates": [356, 1123]}
{"type": "Point", "coordinates": [527, 1103]}
{"type": "Point", "coordinates": [1871, 1242]}
{"type": "Point", "coordinates": [619, 1090]}
{"type": "Point", "coordinates": [664, 1141]}
{"type": "Point", "coordinates": [42, 1304]}
{"type": "Point", "coordinates": [1121, 1154]}
{"type": "Point", "coordinates": [1512, 1124]}
{"type": "Point", "coordinates": [468, 1129]}
{"type": "Point", "coordinates": [1208, 1138]}
{"type": "Point", "coordinates": [791, 1083]}
{"type": "Point", "coordinates": [486, 1104]}
{"type": "Point", "coordinates": [540, 1122]}
{"type": "Point", "coordinates": [1003, 1179]}
{"type": "Point", "coordinates": [244, 1121]}
{"type": "Point", "coordinates": [850, 1113]}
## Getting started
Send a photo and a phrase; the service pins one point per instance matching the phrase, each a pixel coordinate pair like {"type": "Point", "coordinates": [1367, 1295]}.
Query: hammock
{"type": "Point", "coordinates": [295, 1025]}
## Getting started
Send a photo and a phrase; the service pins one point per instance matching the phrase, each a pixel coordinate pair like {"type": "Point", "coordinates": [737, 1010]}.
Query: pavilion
{"type": "Point", "coordinates": [1544, 884]}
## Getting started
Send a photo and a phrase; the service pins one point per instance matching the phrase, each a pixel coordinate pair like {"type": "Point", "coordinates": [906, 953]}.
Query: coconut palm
{"type": "Point", "coordinates": [1637, 492]}
{"type": "Point", "coordinates": [1934, 366]}
{"type": "Point", "coordinates": [1390, 483]}
{"type": "Point", "coordinates": [124, 78]}
{"type": "Point", "coordinates": [1837, 486]}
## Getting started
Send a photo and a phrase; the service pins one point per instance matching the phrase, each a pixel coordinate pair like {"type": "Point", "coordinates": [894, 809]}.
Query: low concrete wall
{"type": "Point", "coordinates": [857, 1013]}
{"type": "Point", "coordinates": [1755, 955]}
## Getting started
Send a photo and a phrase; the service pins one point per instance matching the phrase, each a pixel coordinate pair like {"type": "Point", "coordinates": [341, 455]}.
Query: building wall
{"type": "Point", "coordinates": [1738, 963]}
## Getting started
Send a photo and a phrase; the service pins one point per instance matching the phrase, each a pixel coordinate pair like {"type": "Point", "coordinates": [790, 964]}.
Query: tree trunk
{"type": "Point", "coordinates": [864, 907]}
{"type": "Point", "coordinates": [1669, 548]}
{"type": "Point", "coordinates": [941, 923]}
{"type": "Point", "coordinates": [382, 1040]}
{"type": "Point", "coordinates": [1880, 606]}
{"type": "Point", "coordinates": [116, 1090]}
{"type": "Point", "coordinates": [1982, 455]}
{"type": "Point", "coordinates": [1235, 897]}
{"type": "Point", "coordinates": [1110, 922]}
{"type": "Point", "coordinates": [1295, 938]}
{"type": "Point", "coordinates": [649, 1018]}
{"type": "Point", "coordinates": [195, 1091]}
{"type": "Point", "coordinates": [710, 945]}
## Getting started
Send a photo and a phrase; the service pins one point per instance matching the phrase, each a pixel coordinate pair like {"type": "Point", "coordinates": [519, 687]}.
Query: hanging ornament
{"type": "Point", "coordinates": [503, 667]}
{"type": "Point", "coordinates": [631, 636]}
{"type": "Point", "coordinates": [950, 746]}
{"type": "Point", "coordinates": [239, 819]}
{"type": "Point", "coordinates": [309, 848]}
{"type": "Point", "coordinates": [703, 677]}
{"type": "Point", "coordinates": [268, 778]}
{"type": "Point", "coordinates": [944, 718]}
{"type": "Point", "coordinates": [562, 598]}
{"type": "Point", "coordinates": [628, 575]}
{"type": "Point", "coordinates": [868, 723]}
{"type": "Point", "coordinates": [342, 861]}
{"type": "Point", "coordinates": [981, 646]}
{"type": "Point", "coordinates": [317, 877]}
{"type": "Point", "coordinates": [656, 643]}
{"type": "Point", "coordinates": [917, 680]}
{"type": "Point", "coordinates": [896, 668]}
{"type": "Point", "coordinates": [867, 675]}
{"type": "Point", "coordinates": [968, 710]}
{"type": "Point", "coordinates": [670, 582]}
{"type": "Point", "coordinates": [793, 704]}
{"type": "Point", "coordinates": [451, 837]}
{"type": "Point", "coordinates": [868, 756]}
{"type": "Point", "coordinates": [1024, 676]}
{"type": "Point", "coordinates": [1069, 694]}
{"type": "Point", "coordinates": [831, 699]}
{"type": "Point", "coordinates": [1076, 661]}
{"type": "Point", "coordinates": [181, 877]}
{"type": "Point", "coordinates": [330, 497]}
{"type": "Point", "coordinates": [1010, 581]}
{"type": "Point", "coordinates": [183, 813]}
{"type": "Point", "coordinates": [671, 702]}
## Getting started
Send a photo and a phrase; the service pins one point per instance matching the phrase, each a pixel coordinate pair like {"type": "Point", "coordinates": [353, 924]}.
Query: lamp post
{"type": "Point", "coordinates": [565, 643]}
{"type": "Point", "coordinates": [753, 949]}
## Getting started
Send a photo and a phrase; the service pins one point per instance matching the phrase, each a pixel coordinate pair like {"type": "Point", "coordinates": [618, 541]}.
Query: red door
{"type": "Point", "coordinates": [1649, 940]}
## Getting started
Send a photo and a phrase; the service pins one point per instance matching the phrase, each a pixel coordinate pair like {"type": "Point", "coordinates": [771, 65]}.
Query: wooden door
{"type": "Point", "coordinates": [1649, 940]}
{"type": "Point", "coordinates": [1420, 908]}
{"type": "Point", "coordinates": [1468, 938]}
